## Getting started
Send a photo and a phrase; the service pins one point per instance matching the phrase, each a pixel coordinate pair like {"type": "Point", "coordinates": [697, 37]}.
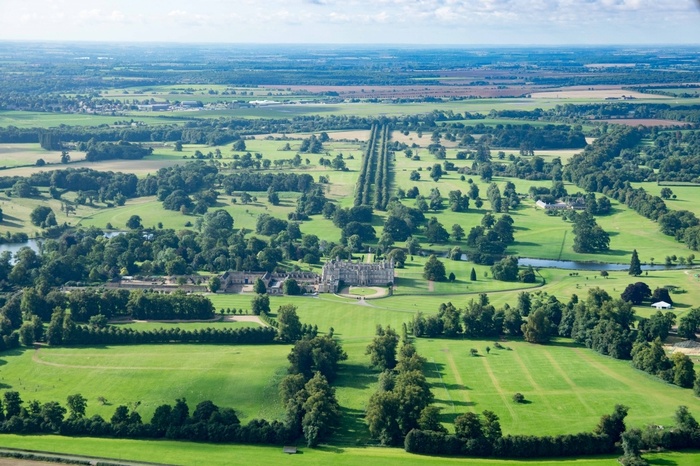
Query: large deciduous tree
{"type": "Point", "coordinates": [434, 269]}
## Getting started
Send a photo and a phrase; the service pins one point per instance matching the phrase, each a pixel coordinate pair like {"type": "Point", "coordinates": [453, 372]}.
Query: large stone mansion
{"type": "Point", "coordinates": [339, 272]}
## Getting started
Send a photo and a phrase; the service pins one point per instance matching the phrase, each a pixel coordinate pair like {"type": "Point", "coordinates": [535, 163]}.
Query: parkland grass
{"type": "Point", "coordinates": [241, 377]}
{"type": "Point", "coordinates": [190, 453]}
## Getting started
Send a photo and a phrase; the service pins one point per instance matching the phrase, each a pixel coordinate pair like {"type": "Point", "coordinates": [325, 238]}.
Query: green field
{"type": "Point", "coordinates": [557, 380]}
{"type": "Point", "coordinates": [241, 377]}
{"type": "Point", "coordinates": [189, 453]}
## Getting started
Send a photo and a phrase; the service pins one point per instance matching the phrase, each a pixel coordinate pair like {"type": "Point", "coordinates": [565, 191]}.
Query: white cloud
{"type": "Point", "coordinates": [437, 21]}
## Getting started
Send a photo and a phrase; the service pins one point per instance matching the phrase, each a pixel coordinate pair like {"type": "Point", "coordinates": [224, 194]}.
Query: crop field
{"type": "Point", "coordinates": [24, 119]}
{"type": "Point", "coordinates": [152, 375]}
{"type": "Point", "coordinates": [595, 94]}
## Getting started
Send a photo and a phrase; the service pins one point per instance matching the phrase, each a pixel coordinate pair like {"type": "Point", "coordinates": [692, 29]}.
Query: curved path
{"type": "Point", "coordinates": [347, 292]}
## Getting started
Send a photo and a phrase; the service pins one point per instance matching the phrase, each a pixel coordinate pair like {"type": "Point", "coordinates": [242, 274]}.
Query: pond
{"type": "Point", "coordinates": [590, 266]}
{"type": "Point", "coordinates": [35, 244]}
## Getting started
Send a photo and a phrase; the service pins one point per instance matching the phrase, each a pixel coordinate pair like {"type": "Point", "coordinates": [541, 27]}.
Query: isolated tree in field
{"type": "Point", "coordinates": [65, 157]}
{"type": "Point", "coordinates": [382, 350]}
{"type": "Point", "coordinates": [134, 222]}
{"type": "Point", "coordinates": [238, 146]}
{"type": "Point", "coordinates": [435, 232]}
{"type": "Point", "coordinates": [636, 293]}
{"type": "Point", "coordinates": [666, 193]}
{"type": "Point", "coordinates": [272, 197]}
{"type": "Point", "coordinates": [40, 214]}
{"type": "Point", "coordinates": [288, 324]}
{"type": "Point", "coordinates": [457, 232]}
{"type": "Point", "coordinates": [434, 269]}
{"type": "Point", "coordinates": [436, 172]}
{"type": "Point", "coordinates": [260, 304]}
{"type": "Point", "coordinates": [412, 245]}
{"type": "Point", "coordinates": [589, 237]}
{"type": "Point", "coordinates": [635, 266]}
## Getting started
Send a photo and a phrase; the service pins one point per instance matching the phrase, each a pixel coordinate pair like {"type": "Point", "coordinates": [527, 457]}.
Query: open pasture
{"type": "Point", "coordinates": [536, 233]}
{"type": "Point", "coordinates": [189, 453]}
{"type": "Point", "coordinates": [687, 196]}
{"type": "Point", "coordinates": [567, 388]}
{"type": "Point", "coordinates": [241, 377]}
{"type": "Point", "coordinates": [18, 155]}
{"type": "Point", "coordinates": [16, 213]}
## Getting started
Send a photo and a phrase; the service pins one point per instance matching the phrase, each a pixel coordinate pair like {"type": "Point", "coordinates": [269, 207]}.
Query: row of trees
{"type": "Point", "coordinates": [478, 319]}
{"type": "Point", "coordinates": [311, 408]}
{"type": "Point", "coordinates": [207, 422]}
{"type": "Point", "coordinates": [402, 400]}
{"type": "Point", "coordinates": [382, 184]}
{"type": "Point", "coordinates": [482, 436]}
{"type": "Point", "coordinates": [367, 169]}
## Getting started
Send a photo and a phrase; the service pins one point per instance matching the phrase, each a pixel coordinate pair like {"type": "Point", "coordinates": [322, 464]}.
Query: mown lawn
{"type": "Point", "coordinates": [558, 380]}
{"type": "Point", "coordinates": [241, 377]}
{"type": "Point", "coordinates": [189, 453]}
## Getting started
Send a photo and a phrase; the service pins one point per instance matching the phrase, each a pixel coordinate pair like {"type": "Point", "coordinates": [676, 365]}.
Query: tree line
{"type": "Point", "coordinates": [206, 423]}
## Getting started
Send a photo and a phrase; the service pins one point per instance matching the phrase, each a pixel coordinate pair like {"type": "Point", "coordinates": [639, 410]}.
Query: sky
{"type": "Point", "coordinates": [459, 22]}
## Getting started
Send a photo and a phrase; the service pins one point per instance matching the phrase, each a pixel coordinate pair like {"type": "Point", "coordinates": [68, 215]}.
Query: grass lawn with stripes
{"type": "Point", "coordinates": [567, 388]}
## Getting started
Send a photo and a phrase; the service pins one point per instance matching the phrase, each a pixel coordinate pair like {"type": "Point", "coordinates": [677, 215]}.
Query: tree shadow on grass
{"type": "Point", "coordinates": [449, 418]}
{"type": "Point", "coordinates": [456, 403]}
{"type": "Point", "coordinates": [454, 386]}
{"type": "Point", "coordinates": [564, 344]}
{"type": "Point", "coordinates": [353, 428]}
{"type": "Point", "coordinates": [402, 282]}
{"type": "Point", "coordinates": [355, 376]}
{"type": "Point", "coordinates": [616, 252]}
{"type": "Point", "coordinates": [661, 462]}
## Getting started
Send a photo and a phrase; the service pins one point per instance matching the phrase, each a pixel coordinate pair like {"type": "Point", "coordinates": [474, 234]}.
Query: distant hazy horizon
{"type": "Point", "coordinates": [478, 23]}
